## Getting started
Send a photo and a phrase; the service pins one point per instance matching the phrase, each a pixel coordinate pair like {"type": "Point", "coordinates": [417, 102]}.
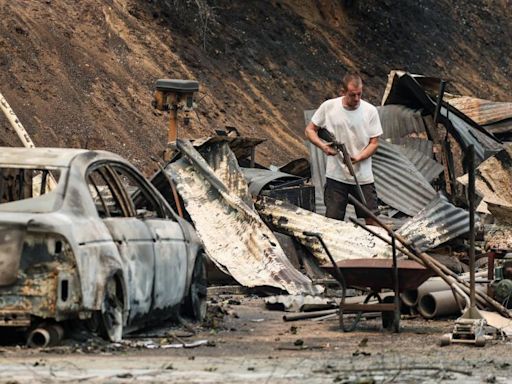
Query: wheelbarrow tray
{"type": "Point", "coordinates": [377, 274]}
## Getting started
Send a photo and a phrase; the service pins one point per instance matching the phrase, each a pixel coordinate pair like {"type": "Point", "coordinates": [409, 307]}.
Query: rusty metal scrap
{"type": "Point", "coordinates": [235, 238]}
{"type": "Point", "coordinates": [435, 224]}
{"type": "Point", "coordinates": [399, 184]}
{"type": "Point", "coordinates": [344, 240]}
{"type": "Point", "coordinates": [484, 112]}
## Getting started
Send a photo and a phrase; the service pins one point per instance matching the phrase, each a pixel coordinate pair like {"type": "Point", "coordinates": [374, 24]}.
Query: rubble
{"type": "Point", "coordinates": [236, 239]}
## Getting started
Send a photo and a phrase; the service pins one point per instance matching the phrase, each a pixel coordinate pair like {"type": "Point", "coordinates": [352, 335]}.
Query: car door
{"type": "Point", "coordinates": [131, 236]}
{"type": "Point", "coordinates": [169, 242]}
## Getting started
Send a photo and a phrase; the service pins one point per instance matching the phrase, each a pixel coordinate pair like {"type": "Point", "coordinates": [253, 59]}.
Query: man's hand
{"type": "Point", "coordinates": [328, 150]}
{"type": "Point", "coordinates": [368, 151]}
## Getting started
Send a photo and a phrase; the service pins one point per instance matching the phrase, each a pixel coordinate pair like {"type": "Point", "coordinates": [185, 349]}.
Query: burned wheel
{"type": "Point", "coordinates": [110, 324]}
{"type": "Point", "coordinates": [195, 303]}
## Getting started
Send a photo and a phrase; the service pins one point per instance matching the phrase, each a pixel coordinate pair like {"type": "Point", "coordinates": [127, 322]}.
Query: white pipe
{"type": "Point", "coordinates": [15, 123]}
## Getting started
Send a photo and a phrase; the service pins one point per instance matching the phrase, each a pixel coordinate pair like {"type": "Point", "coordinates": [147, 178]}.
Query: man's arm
{"type": "Point", "coordinates": [312, 135]}
{"type": "Point", "coordinates": [368, 151]}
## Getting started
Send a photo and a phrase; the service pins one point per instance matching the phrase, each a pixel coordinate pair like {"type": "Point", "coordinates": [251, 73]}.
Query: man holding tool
{"type": "Point", "coordinates": [352, 126]}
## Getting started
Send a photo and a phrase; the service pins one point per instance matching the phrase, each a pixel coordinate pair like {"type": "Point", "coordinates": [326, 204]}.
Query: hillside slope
{"type": "Point", "coordinates": [81, 74]}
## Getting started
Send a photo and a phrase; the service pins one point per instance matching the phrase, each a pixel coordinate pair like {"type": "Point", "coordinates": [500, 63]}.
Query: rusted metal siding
{"type": "Point", "coordinates": [344, 240]}
{"type": "Point", "coordinates": [483, 144]}
{"type": "Point", "coordinates": [435, 224]}
{"type": "Point", "coordinates": [425, 147]}
{"type": "Point", "coordinates": [484, 112]}
{"type": "Point", "coordinates": [428, 167]}
{"type": "Point", "coordinates": [399, 121]}
{"type": "Point", "coordinates": [235, 238]}
{"type": "Point", "coordinates": [399, 184]}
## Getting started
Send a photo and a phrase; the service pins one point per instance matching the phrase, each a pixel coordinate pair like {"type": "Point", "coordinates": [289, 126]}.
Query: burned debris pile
{"type": "Point", "coordinates": [265, 227]}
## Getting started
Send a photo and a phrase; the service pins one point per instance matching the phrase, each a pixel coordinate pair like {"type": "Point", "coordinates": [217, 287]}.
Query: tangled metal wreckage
{"type": "Point", "coordinates": [265, 227]}
{"type": "Point", "coordinates": [255, 222]}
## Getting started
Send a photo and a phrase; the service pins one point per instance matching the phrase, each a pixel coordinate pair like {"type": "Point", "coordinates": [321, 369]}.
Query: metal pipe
{"type": "Point", "coordinates": [421, 257]}
{"type": "Point", "coordinates": [45, 336]}
{"type": "Point", "coordinates": [471, 197]}
{"type": "Point", "coordinates": [412, 297]}
{"type": "Point", "coordinates": [442, 86]}
{"type": "Point", "coordinates": [309, 315]}
{"type": "Point", "coordinates": [15, 123]}
{"type": "Point", "coordinates": [437, 304]}
{"type": "Point", "coordinates": [396, 289]}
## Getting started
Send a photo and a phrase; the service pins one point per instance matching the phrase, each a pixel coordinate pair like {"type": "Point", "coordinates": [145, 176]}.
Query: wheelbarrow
{"type": "Point", "coordinates": [375, 275]}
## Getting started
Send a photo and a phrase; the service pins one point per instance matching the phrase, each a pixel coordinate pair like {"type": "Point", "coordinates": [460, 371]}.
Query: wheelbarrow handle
{"type": "Point", "coordinates": [339, 275]}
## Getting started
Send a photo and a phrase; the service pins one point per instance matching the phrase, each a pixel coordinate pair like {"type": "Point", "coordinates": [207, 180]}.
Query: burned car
{"type": "Point", "coordinates": [84, 236]}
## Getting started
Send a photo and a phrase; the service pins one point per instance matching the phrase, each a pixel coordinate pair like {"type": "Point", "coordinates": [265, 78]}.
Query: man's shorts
{"type": "Point", "coordinates": [336, 198]}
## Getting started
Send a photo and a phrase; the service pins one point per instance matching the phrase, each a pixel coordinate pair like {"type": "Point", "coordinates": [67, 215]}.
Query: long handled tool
{"type": "Point", "coordinates": [327, 136]}
{"type": "Point", "coordinates": [421, 257]}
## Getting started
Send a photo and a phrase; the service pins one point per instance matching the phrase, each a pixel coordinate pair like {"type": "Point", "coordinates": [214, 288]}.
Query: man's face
{"type": "Point", "coordinates": [352, 95]}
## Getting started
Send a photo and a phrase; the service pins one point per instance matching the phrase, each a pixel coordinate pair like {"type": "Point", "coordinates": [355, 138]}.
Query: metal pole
{"type": "Point", "coordinates": [442, 271]}
{"type": "Point", "coordinates": [15, 123]}
{"type": "Point", "coordinates": [471, 198]}
{"type": "Point", "coordinates": [22, 133]}
{"type": "Point", "coordinates": [396, 288]}
{"type": "Point", "coordinates": [440, 95]}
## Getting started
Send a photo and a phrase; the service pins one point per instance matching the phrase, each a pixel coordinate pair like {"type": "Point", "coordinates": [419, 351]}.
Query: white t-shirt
{"type": "Point", "coordinates": [354, 128]}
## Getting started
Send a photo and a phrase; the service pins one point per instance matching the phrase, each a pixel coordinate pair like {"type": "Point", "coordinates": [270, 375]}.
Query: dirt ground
{"type": "Point", "coordinates": [249, 344]}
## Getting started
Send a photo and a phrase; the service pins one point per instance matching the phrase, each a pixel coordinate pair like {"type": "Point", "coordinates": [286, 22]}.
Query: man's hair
{"type": "Point", "coordinates": [351, 77]}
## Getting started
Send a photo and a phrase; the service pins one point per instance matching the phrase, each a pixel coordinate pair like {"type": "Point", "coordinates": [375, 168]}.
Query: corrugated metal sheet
{"type": "Point", "coordinates": [484, 112]}
{"type": "Point", "coordinates": [484, 145]}
{"type": "Point", "coordinates": [419, 145]}
{"type": "Point", "coordinates": [428, 167]}
{"type": "Point", "coordinates": [318, 163]}
{"type": "Point", "coordinates": [241, 146]}
{"type": "Point", "coordinates": [405, 89]}
{"type": "Point", "coordinates": [344, 240]}
{"type": "Point", "coordinates": [500, 127]}
{"type": "Point", "coordinates": [235, 238]}
{"type": "Point", "coordinates": [435, 224]}
{"type": "Point", "coordinates": [259, 178]}
{"type": "Point", "coordinates": [317, 160]}
{"type": "Point", "coordinates": [308, 114]}
{"type": "Point", "coordinates": [399, 121]}
{"type": "Point", "coordinates": [399, 184]}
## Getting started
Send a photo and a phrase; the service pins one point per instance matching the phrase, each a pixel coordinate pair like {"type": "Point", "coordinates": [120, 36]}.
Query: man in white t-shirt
{"type": "Point", "coordinates": [355, 123]}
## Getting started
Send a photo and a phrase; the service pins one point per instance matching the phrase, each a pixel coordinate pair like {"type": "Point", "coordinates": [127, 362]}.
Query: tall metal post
{"type": "Point", "coordinates": [471, 198]}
